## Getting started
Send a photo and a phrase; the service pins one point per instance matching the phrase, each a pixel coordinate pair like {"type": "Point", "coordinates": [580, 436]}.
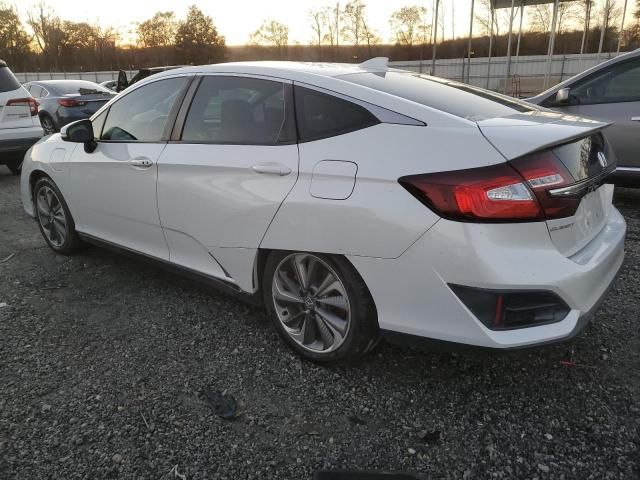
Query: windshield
{"type": "Point", "coordinates": [466, 101]}
{"type": "Point", "coordinates": [8, 81]}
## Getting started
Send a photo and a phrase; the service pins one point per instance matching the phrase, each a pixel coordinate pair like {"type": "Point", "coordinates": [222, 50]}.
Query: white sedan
{"type": "Point", "coordinates": [353, 201]}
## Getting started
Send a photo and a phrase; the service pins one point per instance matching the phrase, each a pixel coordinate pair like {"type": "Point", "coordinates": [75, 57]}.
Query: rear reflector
{"type": "Point", "coordinates": [25, 102]}
{"type": "Point", "coordinates": [70, 102]}
{"type": "Point", "coordinates": [509, 310]}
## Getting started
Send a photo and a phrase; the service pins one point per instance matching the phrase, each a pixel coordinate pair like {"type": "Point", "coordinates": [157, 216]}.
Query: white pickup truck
{"type": "Point", "coordinates": [19, 122]}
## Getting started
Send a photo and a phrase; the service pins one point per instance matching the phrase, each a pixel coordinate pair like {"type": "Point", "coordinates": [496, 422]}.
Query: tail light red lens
{"type": "Point", "coordinates": [495, 193]}
{"type": "Point", "coordinates": [509, 192]}
{"type": "Point", "coordinates": [71, 102]}
{"type": "Point", "coordinates": [26, 102]}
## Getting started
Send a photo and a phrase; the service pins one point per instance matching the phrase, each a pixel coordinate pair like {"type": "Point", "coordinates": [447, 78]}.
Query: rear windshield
{"type": "Point", "coordinates": [77, 87]}
{"type": "Point", "coordinates": [458, 99]}
{"type": "Point", "coordinates": [8, 82]}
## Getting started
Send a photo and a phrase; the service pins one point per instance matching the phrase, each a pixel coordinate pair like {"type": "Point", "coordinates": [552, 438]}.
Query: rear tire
{"type": "Point", "coordinates": [47, 124]}
{"type": "Point", "coordinates": [327, 317]}
{"type": "Point", "coordinates": [54, 218]}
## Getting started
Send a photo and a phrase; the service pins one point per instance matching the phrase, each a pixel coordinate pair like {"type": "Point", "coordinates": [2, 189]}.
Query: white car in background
{"type": "Point", "coordinates": [19, 123]}
{"type": "Point", "coordinates": [354, 201]}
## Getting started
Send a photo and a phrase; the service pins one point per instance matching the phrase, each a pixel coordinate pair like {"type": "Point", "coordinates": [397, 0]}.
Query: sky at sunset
{"type": "Point", "coordinates": [237, 19]}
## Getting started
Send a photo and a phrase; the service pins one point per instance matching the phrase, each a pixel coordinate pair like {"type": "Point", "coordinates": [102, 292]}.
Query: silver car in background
{"type": "Point", "coordinates": [609, 91]}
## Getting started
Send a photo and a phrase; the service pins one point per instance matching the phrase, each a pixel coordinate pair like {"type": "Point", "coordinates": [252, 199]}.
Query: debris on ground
{"type": "Point", "coordinates": [222, 404]}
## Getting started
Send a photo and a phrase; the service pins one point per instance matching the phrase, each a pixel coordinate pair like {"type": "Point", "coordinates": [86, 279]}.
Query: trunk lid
{"type": "Point", "coordinates": [583, 150]}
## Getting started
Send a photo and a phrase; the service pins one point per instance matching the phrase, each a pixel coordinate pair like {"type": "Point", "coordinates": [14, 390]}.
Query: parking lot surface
{"type": "Point", "coordinates": [104, 361]}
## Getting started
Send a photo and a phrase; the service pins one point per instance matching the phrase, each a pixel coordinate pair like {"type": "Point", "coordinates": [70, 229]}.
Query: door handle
{"type": "Point", "coordinates": [141, 162]}
{"type": "Point", "coordinates": [271, 169]}
{"type": "Point", "coordinates": [635, 119]}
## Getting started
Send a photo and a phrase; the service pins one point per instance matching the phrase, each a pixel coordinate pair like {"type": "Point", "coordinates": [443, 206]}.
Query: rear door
{"type": "Point", "coordinates": [232, 160]}
{"type": "Point", "coordinates": [613, 94]}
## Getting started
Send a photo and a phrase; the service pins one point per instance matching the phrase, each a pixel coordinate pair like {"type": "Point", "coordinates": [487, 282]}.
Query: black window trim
{"type": "Point", "coordinates": [289, 108]}
{"type": "Point", "coordinates": [550, 101]}
{"type": "Point", "coordinates": [171, 117]}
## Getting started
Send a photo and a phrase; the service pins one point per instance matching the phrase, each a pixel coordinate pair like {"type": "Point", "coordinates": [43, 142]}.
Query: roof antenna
{"type": "Point", "coordinates": [375, 64]}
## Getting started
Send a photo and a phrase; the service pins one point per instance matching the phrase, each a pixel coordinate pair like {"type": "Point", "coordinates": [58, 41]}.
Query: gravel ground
{"type": "Point", "coordinates": [103, 360]}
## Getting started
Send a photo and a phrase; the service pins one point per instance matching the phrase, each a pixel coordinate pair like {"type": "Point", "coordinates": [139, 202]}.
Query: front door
{"type": "Point", "coordinates": [116, 183]}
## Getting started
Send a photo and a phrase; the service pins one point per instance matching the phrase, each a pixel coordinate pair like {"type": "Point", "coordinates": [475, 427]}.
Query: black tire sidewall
{"type": "Point", "coordinates": [71, 242]}
{"type": "Point", "coordinates": [363, 331]}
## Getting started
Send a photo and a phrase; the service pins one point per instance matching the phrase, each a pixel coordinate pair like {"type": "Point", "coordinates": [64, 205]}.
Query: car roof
{"type": "Point", "coordinates": [3, 63]}
{"type": "Point", "coordinates": [282, 69]}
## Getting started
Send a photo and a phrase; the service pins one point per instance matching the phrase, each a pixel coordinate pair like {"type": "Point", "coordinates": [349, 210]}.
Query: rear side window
{"type": "Point", "coordinates": [238, 110]}
{"type": "Point", "coordinates": [8, 82]}
{"type": "Point", "coordinates": [141, 116]}
{"type": "Point", "coordinates": [320, 115]}
{"type": "Point", "coordinates": [459, 99]}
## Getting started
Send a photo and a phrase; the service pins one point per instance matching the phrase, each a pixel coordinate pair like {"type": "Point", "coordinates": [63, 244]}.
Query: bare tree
{"type": "Point", "coordinates": [355, 25]}
{"type": "Point", "coordinates": [569, 17]}
{"type": "Point", "coordinates": [48, 32]}
{"type": "Point", "coordinates": [637, 12]}
{"type": "Point", "coordinates": [406, 24]}
{"type": "Point", "coordinates": [319, 21]}
{"type": "Point", "coordinates": [271, 32]}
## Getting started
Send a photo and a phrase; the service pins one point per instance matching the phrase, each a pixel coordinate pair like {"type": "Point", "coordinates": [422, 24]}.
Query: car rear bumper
{"type": "Point", "coordinates": [18, 139]}
{"type": "Point", "coordinates": [413, 297]}
{"type": "Point", "coordinates": [626, 177]}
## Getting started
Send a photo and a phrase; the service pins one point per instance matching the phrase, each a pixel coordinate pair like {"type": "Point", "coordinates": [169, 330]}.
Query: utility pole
{"type": "Point", "coordinates": [435, 37]}
{"type": "Point", "coordinates": [605, 24]}
{"type": "Point", "coordinates": [624, 13]}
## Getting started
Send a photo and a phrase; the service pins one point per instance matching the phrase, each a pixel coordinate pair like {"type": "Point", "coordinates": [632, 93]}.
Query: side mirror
{"type": "Point", "coordinates": [80, 131]}
{"type": "Point", "coordinates": [122, 81]}
{"type": "Point", "coordinates": [562, 96]}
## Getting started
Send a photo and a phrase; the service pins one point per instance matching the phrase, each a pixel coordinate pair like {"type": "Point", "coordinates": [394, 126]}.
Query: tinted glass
{"type": "Point", "coordinates": [458, 99]}
{"type": "Point", "coordinates": [142, 114]}
{"type": "Point", "coordinates": [321, 115]}
{"type": "Point", "coordinates": [76, 87]}
{"type": "Point", "coordinates": [8, 82]}
{"type": "Point", "coordinates": [621, 83]}
{"type": "Point", "coordinates": [236, 110]}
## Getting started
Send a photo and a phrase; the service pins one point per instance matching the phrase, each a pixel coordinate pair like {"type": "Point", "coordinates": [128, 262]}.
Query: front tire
{"type": "Point", "coordinates": [320, 306]}
{"type": "Point", "coordinates": [54, 218]}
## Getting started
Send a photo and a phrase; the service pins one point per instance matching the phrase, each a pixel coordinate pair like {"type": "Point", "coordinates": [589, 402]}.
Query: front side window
{"type": "Point", "coordinates": [321, 115]}
{"type": "Point", "coordinates": [237, 110]}
{"type": "Point", "coordinates": [141, 116]}
{"type": "Point", "coordinates": [621, 83]}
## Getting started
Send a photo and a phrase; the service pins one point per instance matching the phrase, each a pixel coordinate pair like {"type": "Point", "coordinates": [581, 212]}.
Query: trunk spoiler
{"type": "Point", "coordinates": [524, 133]}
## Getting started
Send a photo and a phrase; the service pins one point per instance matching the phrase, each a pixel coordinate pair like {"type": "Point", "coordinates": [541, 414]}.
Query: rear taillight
{"type": "Point", "coordinates": [507, 192]}
{"type": "Point", "coordinates": [70, 102]}
{"type": "Point", "coordinates": [25, 102]}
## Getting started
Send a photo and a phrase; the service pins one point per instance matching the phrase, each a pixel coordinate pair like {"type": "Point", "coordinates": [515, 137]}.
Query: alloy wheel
{"type": "Point", "coordinates": [51, 216]}
{"type": "Point", "coordinates": [311, 302]}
